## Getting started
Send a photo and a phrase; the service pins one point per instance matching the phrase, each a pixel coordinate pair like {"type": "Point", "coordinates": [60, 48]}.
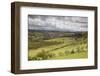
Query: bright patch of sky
{"type": "Point", "coordinates": [57, 23]}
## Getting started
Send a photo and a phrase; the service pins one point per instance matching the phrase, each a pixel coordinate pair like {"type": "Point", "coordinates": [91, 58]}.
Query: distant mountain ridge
{"type": "Point", "coordinates": [31, 30]}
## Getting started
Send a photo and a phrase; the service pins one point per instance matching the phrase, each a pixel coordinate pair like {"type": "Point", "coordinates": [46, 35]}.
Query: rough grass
{"type": "Point", "coordinates": [73, 56]}
{"type": "Point", "coordinates": [58, 48]}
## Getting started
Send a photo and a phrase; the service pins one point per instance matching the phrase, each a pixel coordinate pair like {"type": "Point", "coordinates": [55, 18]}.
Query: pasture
{"type": "Point", "coordinates": [50, 46]}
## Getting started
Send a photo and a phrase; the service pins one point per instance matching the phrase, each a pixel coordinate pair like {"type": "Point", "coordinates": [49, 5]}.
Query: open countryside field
{"type": "Point", "coordinates": [57, 45]}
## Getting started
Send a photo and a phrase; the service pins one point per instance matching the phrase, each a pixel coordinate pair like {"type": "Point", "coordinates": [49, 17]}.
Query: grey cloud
{"type": "Point", "coordinates": [57, 23]}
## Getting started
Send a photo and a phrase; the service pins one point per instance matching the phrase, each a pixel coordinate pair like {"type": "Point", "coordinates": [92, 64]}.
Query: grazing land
{"type": "Point", "coordinates": [52, 45]}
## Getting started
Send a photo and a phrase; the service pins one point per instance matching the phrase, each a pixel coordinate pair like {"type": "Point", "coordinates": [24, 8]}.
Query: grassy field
{"type": "Point", "coordinates": [64, 47]}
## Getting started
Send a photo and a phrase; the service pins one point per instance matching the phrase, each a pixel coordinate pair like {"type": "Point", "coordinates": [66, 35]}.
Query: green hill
{"type": "Point", "coordinates": [62, 45]}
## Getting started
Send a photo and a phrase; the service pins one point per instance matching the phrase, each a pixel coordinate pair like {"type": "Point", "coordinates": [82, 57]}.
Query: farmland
{"type": "Point", "coordinates": [50, 45]}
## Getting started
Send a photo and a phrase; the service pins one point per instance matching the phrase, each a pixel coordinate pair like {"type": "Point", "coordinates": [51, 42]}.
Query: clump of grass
{"type": "Point", "coordinates": [61, 54]}
{"type": "Point", "coordinates": [43, 55]}
{"type": "Point", "coordinates": [66, 52]}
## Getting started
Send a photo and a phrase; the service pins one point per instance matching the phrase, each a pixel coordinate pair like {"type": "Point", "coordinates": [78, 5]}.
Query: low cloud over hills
{"type": "Point", "coordinates": [57, 23]}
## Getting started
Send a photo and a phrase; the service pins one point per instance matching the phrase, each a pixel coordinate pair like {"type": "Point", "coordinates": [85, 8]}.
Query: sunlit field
{"type": "Point", "coordinates": [50, 45]}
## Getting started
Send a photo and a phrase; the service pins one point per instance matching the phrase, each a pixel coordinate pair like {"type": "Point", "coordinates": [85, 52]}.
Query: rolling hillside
{"type": "Point", "coordinates": [44, 45]}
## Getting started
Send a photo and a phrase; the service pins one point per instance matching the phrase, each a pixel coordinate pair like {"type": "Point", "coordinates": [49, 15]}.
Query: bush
{"type": "Point", "coordinates": [43, 55]}
{"type": "Point", "coordinates": [72, 52]}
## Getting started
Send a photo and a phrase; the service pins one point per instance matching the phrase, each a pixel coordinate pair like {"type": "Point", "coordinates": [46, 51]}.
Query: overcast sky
{"type": "Point", "coordinates": [57, 23]}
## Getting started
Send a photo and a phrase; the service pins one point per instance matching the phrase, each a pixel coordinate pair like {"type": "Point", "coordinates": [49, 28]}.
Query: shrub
{"type": "Point", "coordinates": [72, 52]}
{"type": "Point", "coordinates": [43, 55]}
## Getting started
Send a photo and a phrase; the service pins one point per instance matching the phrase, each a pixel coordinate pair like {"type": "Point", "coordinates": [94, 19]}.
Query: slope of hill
{"type": "Point", "coordinates": [44, 45]}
